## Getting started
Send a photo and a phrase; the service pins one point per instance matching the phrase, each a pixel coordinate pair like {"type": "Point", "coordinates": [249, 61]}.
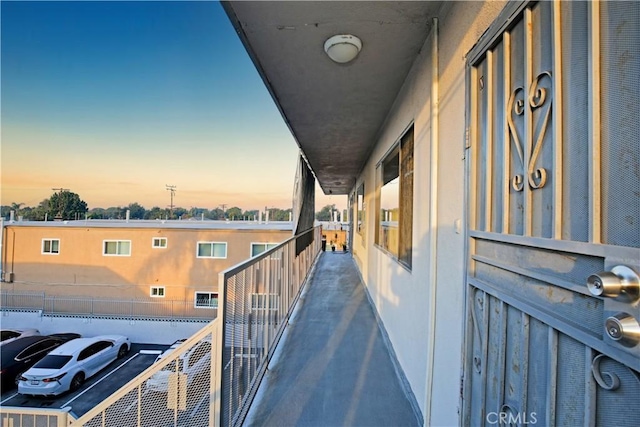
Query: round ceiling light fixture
{"type": "Point", "coordinates": [342, 48]}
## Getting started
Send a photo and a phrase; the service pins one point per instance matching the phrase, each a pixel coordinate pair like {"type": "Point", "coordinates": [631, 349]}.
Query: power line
{"type": "Point", "coordinates": [173, 190]}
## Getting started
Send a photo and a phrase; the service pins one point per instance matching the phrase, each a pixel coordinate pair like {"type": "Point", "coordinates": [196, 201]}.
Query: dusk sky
{"type": "Point", "coordinates": [114, 100]}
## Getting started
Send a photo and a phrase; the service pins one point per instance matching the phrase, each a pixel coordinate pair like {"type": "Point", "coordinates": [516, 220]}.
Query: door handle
{"type": "Point", "coordinates": [623, 328]}
{"type": "Point", "coordinates": [621, 280]}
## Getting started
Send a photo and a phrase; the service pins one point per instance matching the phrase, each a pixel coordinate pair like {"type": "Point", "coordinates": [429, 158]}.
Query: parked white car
{"type": "Point", "coordinates": [190, 363]}
{"type": "Point", "coordinates": [69, 365]}
{"type": "Point", "coordinates": [9, 335]}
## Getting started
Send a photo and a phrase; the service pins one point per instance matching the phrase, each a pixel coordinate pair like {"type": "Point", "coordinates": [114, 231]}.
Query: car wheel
{"type": "Point", "coordinates": [77, 381]}
{"type": "Point", "coordinates": [123, 351]}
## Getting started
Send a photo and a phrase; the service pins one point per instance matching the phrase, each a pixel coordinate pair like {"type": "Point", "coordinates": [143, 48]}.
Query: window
{"type": "Point", "coordinates": [9, 334]}
{"type": "Point", "coordinates": [258, 248]}
{"type": "Point", "coordinates": [260, 301]}
{"type": "Point", "coordinates": [157, 292]}
{"type": "Point", "coordinates": [394, 200]}
{"type": "Point", "coordinates": [212, 250]}
{"type": "Point", "coordinates": [94, 349]}
{"type": "Point", "coordinates": [51, 246]}
{"type": "Point", "coordinates": [51, 361]}
{"type": "Point", "coordinates": [206, 300]}
{"type": "Point", "coordinates": [37, 348]}
{"type": "Point", "coordinates": [360, 226]}
{"type": "Point", "coordinates": [159, 242]}
{"type": "Point", "coordinates": [117, 248]}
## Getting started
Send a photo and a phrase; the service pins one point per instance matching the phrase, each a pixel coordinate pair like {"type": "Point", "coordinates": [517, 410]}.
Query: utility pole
{"type": "Point", "coordinates": [173, 190]}
{"type": "Point", "coordinates": [224, 209]}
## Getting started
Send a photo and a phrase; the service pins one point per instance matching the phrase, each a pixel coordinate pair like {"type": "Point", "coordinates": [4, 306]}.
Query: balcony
{"type": "Point", "coordinates": [333, 367]}
{"type": "Point", "coordinates": [297, 343]}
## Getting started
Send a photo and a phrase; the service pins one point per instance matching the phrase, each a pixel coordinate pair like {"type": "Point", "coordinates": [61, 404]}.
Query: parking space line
{"type": "Point", "coordinates": [100, 380]}
{"type": "Point", "coordinates": [9, 398]}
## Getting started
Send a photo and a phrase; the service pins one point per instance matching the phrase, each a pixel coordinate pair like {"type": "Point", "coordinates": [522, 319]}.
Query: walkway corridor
{"type": "Point", "coordinates": [332, 367]}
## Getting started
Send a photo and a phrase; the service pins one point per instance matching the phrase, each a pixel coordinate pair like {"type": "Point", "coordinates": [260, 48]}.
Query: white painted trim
{"type": "Point", "coordinates": [51, 239]}
{"type": "Point", "coordinates": [212, 243]}
{"type": "Point", "coordinates": [153, 241]}
{"type": "Point", "coordinates": [195, 299]}
{"type": "Point", "coordinates": [117, 241]}
{"type": "Point", "coordinates": [251, 254]}
{"type": "Point", "coordinates": [151, 288]}
{"type": "Point", "coordinates": [433, 224]}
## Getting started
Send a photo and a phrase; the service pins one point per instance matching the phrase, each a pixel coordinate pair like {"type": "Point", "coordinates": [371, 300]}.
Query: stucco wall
{"type": "Point", "coordinates": [402, 297]}
{"type": "Point", "coordinates": [81, 268]}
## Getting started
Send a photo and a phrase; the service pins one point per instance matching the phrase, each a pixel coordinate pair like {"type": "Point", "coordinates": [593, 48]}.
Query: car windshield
{"type": "Point", "coordinates": [52, 362]}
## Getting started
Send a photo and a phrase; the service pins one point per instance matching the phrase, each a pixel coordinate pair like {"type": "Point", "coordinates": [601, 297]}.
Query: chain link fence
{"type": "Point", "coordinates": [135, 309]}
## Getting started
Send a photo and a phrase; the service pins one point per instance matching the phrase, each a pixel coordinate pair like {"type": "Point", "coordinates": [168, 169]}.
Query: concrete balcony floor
{"type": "Point", "coordinates": [332, 367]}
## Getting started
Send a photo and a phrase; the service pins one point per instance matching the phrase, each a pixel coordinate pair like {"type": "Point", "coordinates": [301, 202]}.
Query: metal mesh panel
{"type": "Point", "coordinates": [542, 54]}
{"type": "Point", "coordinates": [575, 132]}
{"type": "Point", "coordinates": [627, 390]}
{"type": "Point", "coordinates": [258, 301]}
{"type": "Point", "coordinates": [583, 311]}
{"type": "Point", "coordinates": [176, 390]}
{"type": "Point", "coordinates": [567, 266]}
{"type": "Point", "coordinates": [570, 401]}
{"type": "Point", "coordinates": [481, 152]}
{"type": "Point", "coordinates": [499, 174]}
{"type": "Point", "coordinates": [541, 357]}
{"type": "Point", "coordinates": [620, 53]}
{"type": "Point", "coordinates": [516, 198]}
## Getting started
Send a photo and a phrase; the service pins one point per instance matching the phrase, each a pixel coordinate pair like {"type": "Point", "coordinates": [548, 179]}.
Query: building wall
{"type": "Point", "coordinates": [423, 309]}
{"type": "Point", "coordinates": [81, 269]}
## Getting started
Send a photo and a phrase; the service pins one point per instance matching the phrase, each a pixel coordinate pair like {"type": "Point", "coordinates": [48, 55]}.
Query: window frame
{"type": "Point", "coordinates": [211, 243]}
{"type": "Point", "coordinates": [266, 245]}
{"type": "Point", "coordinates": [50, 240]}
{"type": "Point", "coordinates": [403, 148]}
{"type": "Point", "coordinates": [195, 299]}
{"type": "Point", "coordinates": [104, 247]}
{"type": "Point", "coordinates": [361, 209]}
{"type": "Point", "coordinates": [159, 294]}
{"type": "Point", "coordinates": [159, 239]}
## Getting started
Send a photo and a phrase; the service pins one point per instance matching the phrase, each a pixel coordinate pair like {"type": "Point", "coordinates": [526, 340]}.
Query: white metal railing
{"type": "Point", "coordinates": [37, 417]}
{"type": "Point", "coordinates": [259, 296]}
{"type": "Point", "coordinates": [211, 378]}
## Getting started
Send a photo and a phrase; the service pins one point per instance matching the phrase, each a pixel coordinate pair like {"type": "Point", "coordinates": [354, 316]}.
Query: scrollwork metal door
{"type": "Point", "coordinates": [554, 217]}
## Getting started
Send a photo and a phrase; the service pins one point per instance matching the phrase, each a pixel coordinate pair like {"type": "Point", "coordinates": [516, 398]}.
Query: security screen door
{"type": "Point", "coordinates": [554, 217]}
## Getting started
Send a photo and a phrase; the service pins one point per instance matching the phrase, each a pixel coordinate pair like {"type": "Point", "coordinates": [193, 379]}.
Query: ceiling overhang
{"type": "Point", "coordinates": [334, 111]}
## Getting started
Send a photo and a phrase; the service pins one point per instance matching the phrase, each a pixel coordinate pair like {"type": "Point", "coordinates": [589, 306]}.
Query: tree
{"type": "Point", "coordinates": [136, 211]}
{"type": "Point", "coordinates": [234, 213]}
{"type": "Point", "coordinates": [66, 205]}
{"type": "Point", "coordinates": [179, 212]}
{"type": "Point", "coordinates": [16, 207]}
{"type": "Point", "coordinates": [155, 213]}
{"type": "Point", "coordinates": [325, 213]}
{"type": "Point", "coordinates": [217, 213]}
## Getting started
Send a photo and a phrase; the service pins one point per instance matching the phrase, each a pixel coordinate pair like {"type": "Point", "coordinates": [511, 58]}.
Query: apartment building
{"type": "Point", "coordinates": [137, 259]}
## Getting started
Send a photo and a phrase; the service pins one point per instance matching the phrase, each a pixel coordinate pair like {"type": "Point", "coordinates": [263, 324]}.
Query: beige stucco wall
{"type": "Point", "coordinates": [81, 268]}
{"type": "Point", "coordinates": [403, 297]}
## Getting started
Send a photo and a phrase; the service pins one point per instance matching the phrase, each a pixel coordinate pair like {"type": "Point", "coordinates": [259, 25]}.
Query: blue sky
{"type": "Point", "coordinates": [114, 100]}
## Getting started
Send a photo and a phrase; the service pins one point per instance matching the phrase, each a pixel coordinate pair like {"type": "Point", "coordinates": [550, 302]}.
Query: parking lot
{"type": "Point", "coordinates": [95, 389]}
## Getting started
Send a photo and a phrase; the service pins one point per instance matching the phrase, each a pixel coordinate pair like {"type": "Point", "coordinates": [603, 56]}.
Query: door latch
{"type": "Point", "coordinates": [623, 328]}
{"type": "Point", "coordinates": [620, 281]}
